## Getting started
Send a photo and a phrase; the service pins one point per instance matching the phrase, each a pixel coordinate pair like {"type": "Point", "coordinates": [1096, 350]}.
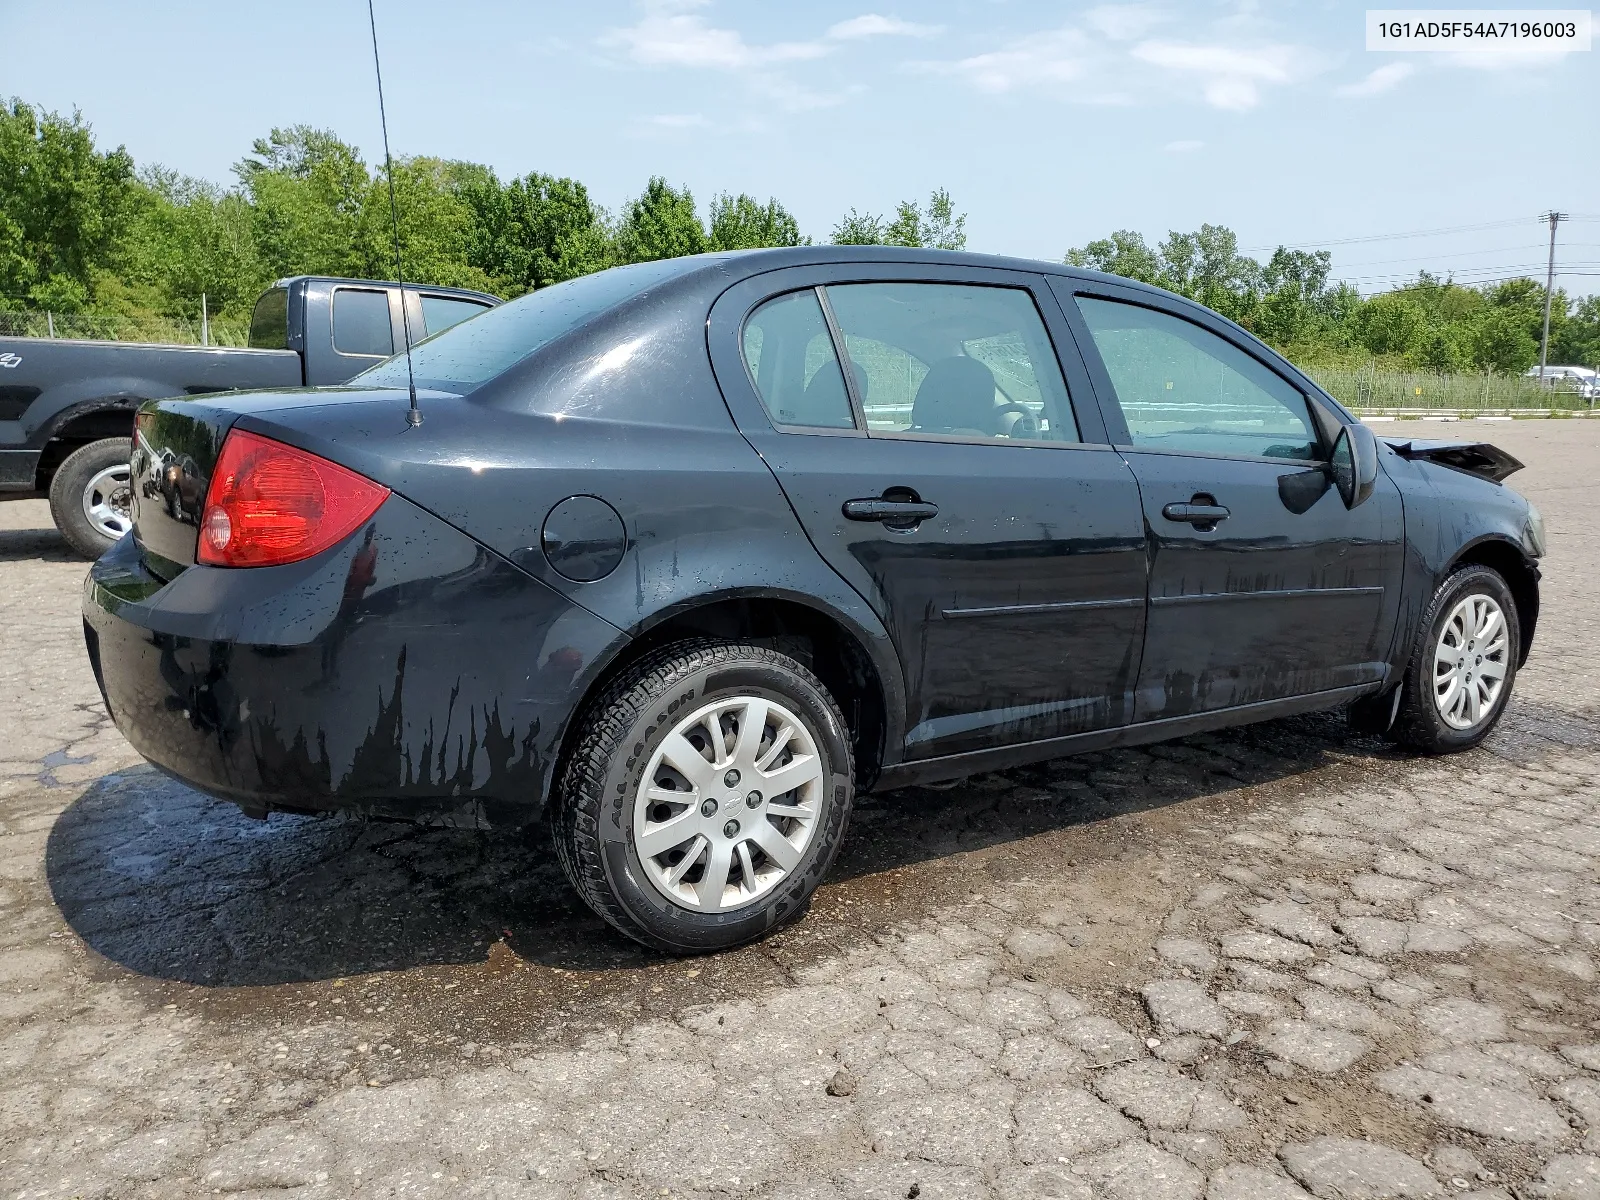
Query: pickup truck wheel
{"type": "Point", "coordinates": [706, 796]}
{"type": "Point", "coordinates": [90, 496]}
{"type": "Point", "coordinates": [1463, 666]}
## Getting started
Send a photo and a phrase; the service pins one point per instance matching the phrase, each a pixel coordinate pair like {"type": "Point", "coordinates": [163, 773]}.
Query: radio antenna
{"type": "Point", "coordinates": [413, 414]}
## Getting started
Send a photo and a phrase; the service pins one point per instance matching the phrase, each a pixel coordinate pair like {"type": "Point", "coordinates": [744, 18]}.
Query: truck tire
{"type": "Point", "coordinates": [706, 796]}
{"type": "Point", "coordinates": [90, 496]}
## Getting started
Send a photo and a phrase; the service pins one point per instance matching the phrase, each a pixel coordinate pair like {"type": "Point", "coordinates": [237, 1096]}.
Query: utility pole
{"type": "Point", "coordinates": [1555, 218]}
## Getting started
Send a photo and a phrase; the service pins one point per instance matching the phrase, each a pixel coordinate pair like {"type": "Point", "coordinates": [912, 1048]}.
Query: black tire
{"type": "Point", "coordinates": [617, 737]}
{"type": "Point", "coordinates": [1419, 724]}
{"type": "Point", "coordinates": [73, 478]}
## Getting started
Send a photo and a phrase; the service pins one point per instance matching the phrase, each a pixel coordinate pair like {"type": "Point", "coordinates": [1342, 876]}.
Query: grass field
{"type": "Point", "coordinates": [1369, 389]}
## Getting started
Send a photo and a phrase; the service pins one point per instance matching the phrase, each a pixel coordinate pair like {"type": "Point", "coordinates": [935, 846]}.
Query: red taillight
{"type": "Point", "coordinates": [269, 504]}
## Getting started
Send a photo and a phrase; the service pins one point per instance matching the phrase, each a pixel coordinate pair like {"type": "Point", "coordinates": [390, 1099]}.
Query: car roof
{"type": "Point", "coordinates": [748, 263]}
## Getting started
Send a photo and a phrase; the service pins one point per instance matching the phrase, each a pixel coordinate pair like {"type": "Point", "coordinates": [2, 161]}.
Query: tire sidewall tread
{"type": "Point", "coordinates": [1418, 724]}
{"type": "Point", "coordinates": [66, 492]}
{"type": "Point", "coordinates": [620, 729]}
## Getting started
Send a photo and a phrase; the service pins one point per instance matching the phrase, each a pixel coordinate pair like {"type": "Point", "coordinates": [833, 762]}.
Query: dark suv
{"type": "Point", "coordinates": [686, 553]}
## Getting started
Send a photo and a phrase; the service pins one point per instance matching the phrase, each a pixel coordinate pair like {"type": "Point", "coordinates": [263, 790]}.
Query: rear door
{"type": "Point", "coordinates": [942, 467]}
{"type": "Point", "coordinates": [1262, 584]}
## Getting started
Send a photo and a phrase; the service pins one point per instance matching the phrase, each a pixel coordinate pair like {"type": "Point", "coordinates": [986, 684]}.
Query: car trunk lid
{"type": "Point", "coordinates": [175, 448]}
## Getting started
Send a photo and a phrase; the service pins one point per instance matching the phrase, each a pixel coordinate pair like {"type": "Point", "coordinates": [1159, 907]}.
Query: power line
{"type": "Point", "coordinates": [1453, 254]}
{"type": "Point", "coordinates": [1389, 286]}
{"type": "Point", "coordinates": [1390, 237]}
{"type": "Point", "coordinates": [1466, 272]}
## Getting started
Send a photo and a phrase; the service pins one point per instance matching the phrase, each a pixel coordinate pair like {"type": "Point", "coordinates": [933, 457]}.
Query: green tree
{"type": "Point", "coordinates": [942, 227]}
{"type": "Point", "coordinates": [63, 206]}
{"type": "Point", "coordinates": [190, 238]}
{"type": "Point", "coordinates": [906, 228]}
{"type": "Point", "coordinates": [1441, 348]}
{"type": "Point", "coordinates": [1392, 323]}
{"type": "Point", "coordinates": [1578, 342]}
{"type": "Point", "coordinates": [1501, 341]}
{"type": "Point", "coordinates": [660, 223]}
{"type": "Point", "coordinates": [938, 227]}
{"type": "Point", "coordinates": [740, 223]}
{"type": "Point", "coordinates": [858, 229]}
{"type": "Point", "coordinates": [436, 224]}
{"type": "Point", "coordinates": [534, 231]}
{"type": "Point", "coordinates": [1124, 253]}
{"type": "Point", "coordinates": [307, 190]}
{"type": "Point", "coordinates": [1206, 266]}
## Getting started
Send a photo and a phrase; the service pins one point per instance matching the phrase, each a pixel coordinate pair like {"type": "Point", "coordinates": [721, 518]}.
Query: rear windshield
{"type": "Point", "coordinates": [269, 324]}
{"type": "Point", "coordinates": [467, 355]}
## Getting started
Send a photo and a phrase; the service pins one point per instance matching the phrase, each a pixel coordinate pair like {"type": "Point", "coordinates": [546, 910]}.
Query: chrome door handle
{"type": "Point", "coordinates": [1198, 515]}
{"type": "Point", "coordinates": [895, 513]}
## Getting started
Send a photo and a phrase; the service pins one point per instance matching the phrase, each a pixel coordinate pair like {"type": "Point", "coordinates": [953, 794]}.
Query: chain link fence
{"type": "Point", "coordinates": [96, 327]}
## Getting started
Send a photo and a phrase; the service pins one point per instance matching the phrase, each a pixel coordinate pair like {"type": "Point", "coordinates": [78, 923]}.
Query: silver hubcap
{"type": "Point", "coordinates": [1469, 662]}
{"type": "Point", "coordinates": [728, 805]}
{"type": "Point", "coordinates": [107, 502]}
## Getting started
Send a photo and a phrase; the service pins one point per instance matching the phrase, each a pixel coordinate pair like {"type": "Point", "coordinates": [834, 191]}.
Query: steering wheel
{"type": "Point", "coordinates": [1025, 426]}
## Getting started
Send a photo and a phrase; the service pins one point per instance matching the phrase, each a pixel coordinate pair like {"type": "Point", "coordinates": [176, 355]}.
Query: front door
{"type": "Point", "coordinates": [1262, 584]}
{"type": "Point", "coordinates": [948, 482]}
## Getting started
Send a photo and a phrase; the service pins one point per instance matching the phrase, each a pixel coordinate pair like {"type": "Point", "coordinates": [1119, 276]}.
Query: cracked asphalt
{"type": "Point", "coordinates": [1253, 965]}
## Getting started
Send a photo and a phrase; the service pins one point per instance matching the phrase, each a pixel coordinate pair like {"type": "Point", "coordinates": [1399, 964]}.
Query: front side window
{"type": "Point", "coordinates": [952, 360]}
{"type": "Point", "coordinates": [791, 359]}
{"type": "Point", "coordinates": [361, 322]}
{"type": "Point", "coordinates": [1184, 388]}
{"type": "Point", "coordinates": [441, 312]}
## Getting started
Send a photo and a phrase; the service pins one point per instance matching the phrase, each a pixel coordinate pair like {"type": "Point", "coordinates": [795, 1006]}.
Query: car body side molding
{"type": "Point", "coordinates": [955, 766]}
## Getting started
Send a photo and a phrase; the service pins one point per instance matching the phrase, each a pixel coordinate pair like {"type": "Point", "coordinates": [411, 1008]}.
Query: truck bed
{"type": "Point", "coordinates": [47, 381]}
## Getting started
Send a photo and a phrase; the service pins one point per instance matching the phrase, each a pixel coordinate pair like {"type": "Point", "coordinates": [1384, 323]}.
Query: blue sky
{"type": "Point", "coordinates": [1051, 124]}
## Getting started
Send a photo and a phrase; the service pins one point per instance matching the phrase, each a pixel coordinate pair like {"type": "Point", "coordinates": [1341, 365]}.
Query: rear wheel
{"type": "Point", "coordinates": [1463, 666]}
{"type": "Point", "coordinates": [706, 797]}
{"type": "Point", "coordinates": [90, 496]}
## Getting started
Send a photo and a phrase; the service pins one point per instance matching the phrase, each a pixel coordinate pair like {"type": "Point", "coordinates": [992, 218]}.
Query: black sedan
{"type": "Point", "coordinates": [684, 554]}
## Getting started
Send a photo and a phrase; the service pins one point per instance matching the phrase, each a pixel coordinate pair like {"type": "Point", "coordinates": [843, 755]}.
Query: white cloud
{"type": "Point", "coordinates": [1047, 59]}
{"type": "Point", "coordinates": [1231, 78]}
{"type": "Point", "coordinates": [674, 35]}
{"type": "Point", "coordinates": [1185, 146]}
{"type": "Point", "coordinates": [1384, 79]}
{"type": "Point", "coordinates": [872, 25]}
{"type": "Point", "coordinates": [1123, 22]}
{"type": "Point", "coordinates": [1108, 57]}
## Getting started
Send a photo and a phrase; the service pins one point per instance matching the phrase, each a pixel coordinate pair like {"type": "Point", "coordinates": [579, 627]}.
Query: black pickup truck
{"type": "Point", "coordinates": [67, 407]}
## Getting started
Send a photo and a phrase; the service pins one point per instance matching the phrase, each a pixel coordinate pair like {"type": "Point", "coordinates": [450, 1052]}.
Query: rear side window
{"type": "Point", "coordinates": [951, 360]}
{"type": "Point", "coordinates": [269, 323]}
{"type": "Point", "coordinates": [1183, 388]}
{"type": "Point", "coordinates": [361, 322]}
{"type": "Point", "coordinates": [441, 312]}
{"type": "Point", "coordinates": [791, 360]}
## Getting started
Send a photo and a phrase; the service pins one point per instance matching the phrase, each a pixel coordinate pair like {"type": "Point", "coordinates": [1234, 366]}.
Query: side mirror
{"type": "Point", "coordinates": [1354, 466]}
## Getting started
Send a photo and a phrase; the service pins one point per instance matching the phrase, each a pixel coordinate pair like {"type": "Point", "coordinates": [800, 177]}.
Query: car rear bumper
{"type": "Point", "coordinates": [409, 672]}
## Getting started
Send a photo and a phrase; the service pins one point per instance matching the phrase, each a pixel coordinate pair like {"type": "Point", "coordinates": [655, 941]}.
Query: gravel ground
{"type": "Point", "coordinates": [1244, 966]}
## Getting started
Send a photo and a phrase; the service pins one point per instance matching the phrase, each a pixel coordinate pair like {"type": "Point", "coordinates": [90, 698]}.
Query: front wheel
{"type": "Point", "coordinates": [706, 796]}
{"type": "Point", "coordinates": [90, 496]}
{"type": "Point", "coordinates": [1463, 666]}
